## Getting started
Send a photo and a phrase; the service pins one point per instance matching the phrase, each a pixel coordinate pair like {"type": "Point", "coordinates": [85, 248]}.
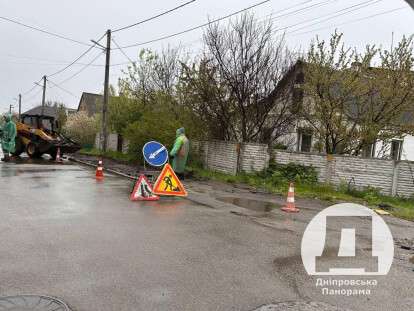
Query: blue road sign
{"type": "Point", "coordinates": [155, 153]}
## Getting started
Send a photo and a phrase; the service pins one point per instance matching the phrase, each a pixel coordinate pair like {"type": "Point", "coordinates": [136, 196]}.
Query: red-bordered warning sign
{"type": "Point", "coordinates": [143, 191]}
{"type": "Point", "coordinates": [168, 183]}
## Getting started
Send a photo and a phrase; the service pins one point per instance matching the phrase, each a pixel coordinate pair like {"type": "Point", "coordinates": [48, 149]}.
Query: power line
{"type": "Point", "coordinates": [82, 69]}
{"type": "Point", "coordinates": [292, 33]}
{"type": "Point", "coordinates": [122, 51]}
{"type": "Point", "coordinates": [154, 17]}
{"type": "Point", "coordinates": [301, 10]}
{"type": "Point", "coordinates": [61, 88]}
{"type": "Point", "coordinates": [78, 58]}
{"type": "Point", "coordinates": [35, 95]}
{"type": "Point", "coordinates": [344, 11]}
{"type": "Point", "coordinates": [31, 89]}
{"type": "Point", "coordinates": [288, 8]}
{"type": "Point", "coordinates": [196, 27]}
{"type": "Point", "coordinates": [282, 10]}
{"type": "Point", "coordinates": [44, 31]}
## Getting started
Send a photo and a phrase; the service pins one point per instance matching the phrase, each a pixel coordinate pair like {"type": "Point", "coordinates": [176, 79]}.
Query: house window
{"type": "Point", "coordinates": [304, 141]}
{"type": "Point", "coordinates": [396, 149]}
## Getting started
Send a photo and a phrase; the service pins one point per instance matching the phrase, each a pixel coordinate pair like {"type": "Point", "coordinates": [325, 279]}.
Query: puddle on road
{"type": "Point", "coordinates": [254, 205]}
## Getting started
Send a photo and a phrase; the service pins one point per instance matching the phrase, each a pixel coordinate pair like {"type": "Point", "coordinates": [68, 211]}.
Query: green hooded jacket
{"type": "Point", "coordinates": [8, 135]}
{"type": "Point", "coordinates": [180, 151]}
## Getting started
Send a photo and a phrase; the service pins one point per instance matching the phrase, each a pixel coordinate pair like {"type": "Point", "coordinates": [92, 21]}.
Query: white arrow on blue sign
{"type": "Point", "coordinates": [155, 153]}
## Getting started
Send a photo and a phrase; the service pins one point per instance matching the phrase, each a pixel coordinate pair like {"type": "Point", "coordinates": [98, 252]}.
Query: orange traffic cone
{"type": "Point", "coordinates": [99, 171]}
{"type": "Point", "coordinates": [58, 158]}
{"type": "Point", "coordinates": [290, 202]}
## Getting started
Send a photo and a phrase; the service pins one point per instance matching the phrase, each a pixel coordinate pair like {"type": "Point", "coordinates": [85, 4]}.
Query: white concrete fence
{"type": "Point", "coordinates": [394, 178]}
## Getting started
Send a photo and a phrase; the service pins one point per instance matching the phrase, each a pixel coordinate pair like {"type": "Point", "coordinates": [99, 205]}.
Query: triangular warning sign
{"type": "Point", "coordinates": [168, 183]}
{"type": "Point", "coordinates": [143, 191]}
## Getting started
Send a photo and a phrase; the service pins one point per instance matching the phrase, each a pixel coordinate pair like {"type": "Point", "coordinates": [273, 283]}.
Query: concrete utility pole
{"type": "Point", "coordinates": [10, 108]}
{"type": "Point", "coordinates": [44, 95]}
{"type": "Point", "coordinates": [20, 107]}
{"type": "Point", "coordinates": [104, 137]}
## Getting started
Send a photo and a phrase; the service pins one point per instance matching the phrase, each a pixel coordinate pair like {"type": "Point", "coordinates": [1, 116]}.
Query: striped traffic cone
{"type": "Point", "coordinates": [99, 171]}
{"type": "Point", "coordinates": [290, 202]}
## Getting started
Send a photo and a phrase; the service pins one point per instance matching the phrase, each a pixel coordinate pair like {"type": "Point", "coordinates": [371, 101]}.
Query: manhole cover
{"type": "Point", "coordinates": [300, 306]}
{"type": "Point", "coordinates": [32, 302]}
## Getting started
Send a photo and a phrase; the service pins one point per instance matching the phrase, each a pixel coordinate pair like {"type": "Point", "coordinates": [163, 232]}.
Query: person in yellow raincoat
{"type": "Point", "coordinates": [179, 153]}
{"type": "Point", "coordinates": [8, 137]}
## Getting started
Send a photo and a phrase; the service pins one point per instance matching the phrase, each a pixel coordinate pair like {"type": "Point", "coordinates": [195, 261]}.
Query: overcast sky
{"type": "Point", "coordinates": [27, 55]}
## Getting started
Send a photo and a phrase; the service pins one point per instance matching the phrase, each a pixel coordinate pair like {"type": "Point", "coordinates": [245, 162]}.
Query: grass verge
{"type": "Point", "coordinates": [114, 155]}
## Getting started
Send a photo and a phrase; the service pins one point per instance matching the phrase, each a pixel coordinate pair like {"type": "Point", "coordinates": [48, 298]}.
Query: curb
{"type": "Point", "coordinates": [106, 169]}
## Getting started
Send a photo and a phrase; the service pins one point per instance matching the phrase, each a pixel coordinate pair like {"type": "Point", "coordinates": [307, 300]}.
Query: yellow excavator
{"type": "Point", "coordinates": [38, 135]}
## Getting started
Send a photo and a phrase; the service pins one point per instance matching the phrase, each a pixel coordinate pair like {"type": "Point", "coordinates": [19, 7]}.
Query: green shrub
{"type": "Point", "coordinates": [282, 173]}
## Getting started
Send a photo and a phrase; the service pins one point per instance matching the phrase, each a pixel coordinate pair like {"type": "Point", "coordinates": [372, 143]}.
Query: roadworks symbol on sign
{"type": "Point", "coordinates": [143, 191]}
{"type": "Point", "coordinates": [169, 184]}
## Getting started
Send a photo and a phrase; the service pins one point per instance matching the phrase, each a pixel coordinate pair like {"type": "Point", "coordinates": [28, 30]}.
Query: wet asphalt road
{"type": "Point", "coordinates": [66, 235]}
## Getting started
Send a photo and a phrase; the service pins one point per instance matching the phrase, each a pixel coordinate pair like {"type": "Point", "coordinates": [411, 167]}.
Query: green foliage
{"type": "Point", "coordinates": [122, 112]}
{"type": "Point", "coordinates": [354, 104]}
{"type": "Point", "coordinates": [159, 121]}
{"type": "Point", "coordinates": [280, 173]}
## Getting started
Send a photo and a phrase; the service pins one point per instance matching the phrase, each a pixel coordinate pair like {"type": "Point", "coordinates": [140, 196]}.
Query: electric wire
{"type": "Point", "coordinates": [61, 88]}
{"type": "Point", "coordinates": [301, 10]}
{"type": "Point", "coordinates": [44, 31]}
{"type": "Point", "coordinates": [31, 89]}
{"type": "Point", "coordinates": [293, 33]}
{"type": "Point", "coordinates": [33, 96]}
{"type": "Point", "coordinates": [122, 50]}
{"type": "Point", "coordinates": [154, 17]}
{"type": "Point", "coordinates": [82, 69]}
{"type": "Point", "coordinates": [78, 58]}
{"type": "Point", "coordinates": [196, 27]}
{"type": "Point", "coordinates": [335, 14]}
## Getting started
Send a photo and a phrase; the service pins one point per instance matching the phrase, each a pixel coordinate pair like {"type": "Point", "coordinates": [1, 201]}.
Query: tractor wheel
{"type": "Point", "coordinates": [32, 151]}
{"type": "Point", "coordinates": [19, 149]}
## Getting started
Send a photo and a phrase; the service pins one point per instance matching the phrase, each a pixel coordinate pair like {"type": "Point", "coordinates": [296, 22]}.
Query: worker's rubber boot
{"type": "Point", "coordinates": [6, 158]}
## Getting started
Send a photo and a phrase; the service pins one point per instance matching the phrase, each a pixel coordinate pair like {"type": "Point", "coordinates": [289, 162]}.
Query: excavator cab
{"type": "Point", "coordinates": [38, 135]}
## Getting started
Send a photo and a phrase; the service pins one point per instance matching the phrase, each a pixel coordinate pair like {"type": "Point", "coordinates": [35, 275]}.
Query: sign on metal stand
{"type": "Point", "coordinates": [155, 153]}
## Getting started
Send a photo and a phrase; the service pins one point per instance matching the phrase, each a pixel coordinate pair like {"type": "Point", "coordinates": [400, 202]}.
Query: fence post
{"type": "Point", "coordinates": [206, 147]}
{"type": "Point", "coordinates": [396, 172]}
{"type": "Point", "coordinates": [238, 151]}
{"type": "Point", "coordinates": [329, 167]}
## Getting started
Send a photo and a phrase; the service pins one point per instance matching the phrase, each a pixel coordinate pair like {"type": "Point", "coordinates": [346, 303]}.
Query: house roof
{"type": "Point", "coordinates": [37, 111]}
{"type": "Point", "coordinates": [91, 101]}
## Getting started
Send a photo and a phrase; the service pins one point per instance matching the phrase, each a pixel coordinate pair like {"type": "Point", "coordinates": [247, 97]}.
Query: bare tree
{"type": "Point", "coordinates": [244, 64]}
{"type": "Point", "coordinates": [152, 74]}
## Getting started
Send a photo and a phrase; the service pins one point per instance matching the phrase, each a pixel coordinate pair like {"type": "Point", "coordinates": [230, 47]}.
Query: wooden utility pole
{"type": "Point", "coordinates": [10, 108]}
{"type": "Point", "coordinates": [104, 137]}
{"type": "Point", "coordinates": [20, 107]}
{"type": "Point", "coordinates": [44, 96]}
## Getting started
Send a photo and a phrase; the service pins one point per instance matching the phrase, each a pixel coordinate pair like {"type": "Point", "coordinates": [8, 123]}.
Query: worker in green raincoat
{"type": "Point", "coordinates": [179, 153]}
{"type": "Point", "coordinates": [8, 137]}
